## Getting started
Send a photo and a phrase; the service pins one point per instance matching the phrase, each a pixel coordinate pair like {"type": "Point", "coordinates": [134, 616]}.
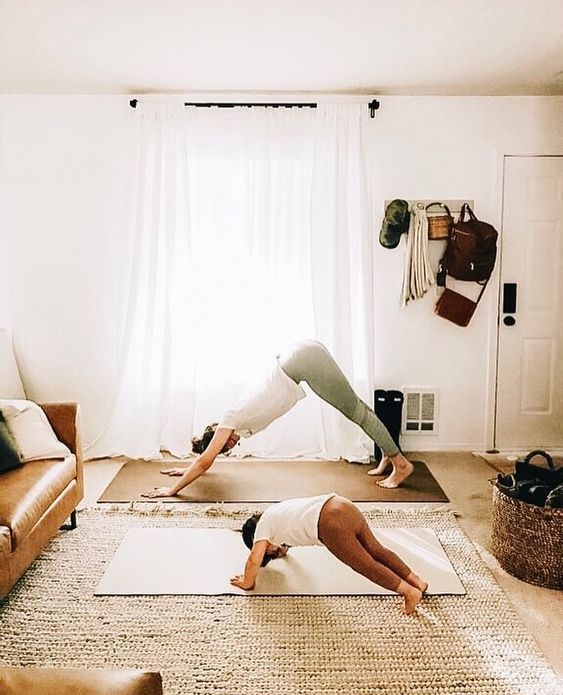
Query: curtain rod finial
{"type": "Point", "coordinates": [373, 106]}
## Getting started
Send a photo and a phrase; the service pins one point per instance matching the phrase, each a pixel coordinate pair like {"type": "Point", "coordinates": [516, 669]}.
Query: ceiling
{"type": "Point", "coordinates": [415, 47]}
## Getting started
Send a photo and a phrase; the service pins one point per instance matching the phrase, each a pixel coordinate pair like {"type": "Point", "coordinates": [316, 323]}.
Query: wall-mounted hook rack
{"type": "Point", "coordinates": [454, 205]}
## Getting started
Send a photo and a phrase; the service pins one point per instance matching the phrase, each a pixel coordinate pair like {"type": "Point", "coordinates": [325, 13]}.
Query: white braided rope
{"type": "Point", "coordinates": [418, 275]}
{"type": "Point", "coordinates": [236, 645]}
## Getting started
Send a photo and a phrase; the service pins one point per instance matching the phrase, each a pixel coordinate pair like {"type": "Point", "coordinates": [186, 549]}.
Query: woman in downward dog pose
{"type": "Point", "coordinates": [278, 392]}
{"type": "Point", "coordinates": [336, 523]}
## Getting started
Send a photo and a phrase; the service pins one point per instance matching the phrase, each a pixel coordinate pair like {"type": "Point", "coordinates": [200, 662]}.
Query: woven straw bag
{"type": "Point", "coordinates": [439, 225]}
{"type": "Point", "coordinates": [527, 540]}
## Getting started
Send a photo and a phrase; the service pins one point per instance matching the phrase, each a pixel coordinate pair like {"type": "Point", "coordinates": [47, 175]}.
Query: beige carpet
{"type": "Point", "coordinates": [261, 480]}
{"type": "Point", "coordinates": [209, 645]}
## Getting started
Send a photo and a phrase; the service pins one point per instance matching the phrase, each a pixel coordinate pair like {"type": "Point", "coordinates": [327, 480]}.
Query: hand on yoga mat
{"type": "Point", "coordinates": [173, 471]}
{"type": "Point", "coordinates": [240, 583]}
{"type": "Point", "coordinates": [159, 492]}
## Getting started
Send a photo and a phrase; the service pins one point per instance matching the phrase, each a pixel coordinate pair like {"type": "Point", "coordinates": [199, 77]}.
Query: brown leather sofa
{"type": "Point", "coordinates": [71, 681]}
{"type": "Point", "coordinates": [36, 499]}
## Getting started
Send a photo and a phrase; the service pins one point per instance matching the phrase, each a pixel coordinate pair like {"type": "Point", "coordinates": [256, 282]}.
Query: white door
{"type": "Point", "coordinates": [529, 410]}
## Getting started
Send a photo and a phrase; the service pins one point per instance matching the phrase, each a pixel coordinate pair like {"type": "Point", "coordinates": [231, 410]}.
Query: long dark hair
{"type": "Point", "coordinates": [200, 444]}
{"type": "Point", "coordinates": [248, 531]}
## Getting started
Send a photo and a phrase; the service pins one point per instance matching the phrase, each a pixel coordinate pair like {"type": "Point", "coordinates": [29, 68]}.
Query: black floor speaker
{"type": "Point", "coordinates": [388, 406]}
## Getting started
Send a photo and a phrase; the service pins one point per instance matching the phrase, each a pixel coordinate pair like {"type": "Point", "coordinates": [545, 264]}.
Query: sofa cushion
{"type": "Point", "coordinates": [32, 430]}
{"type": "Point", "coordinates": [74, 681]}
{"type": "Point", "coordinates": [10, 456]}
{"type": "Point", "coordinates": [27, 492]}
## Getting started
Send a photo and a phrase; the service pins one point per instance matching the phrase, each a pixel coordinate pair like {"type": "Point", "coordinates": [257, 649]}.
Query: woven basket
{"type": "Point", "coordinates": [528, 540]}
{"type": "Point", "coordinates": [439, 226]}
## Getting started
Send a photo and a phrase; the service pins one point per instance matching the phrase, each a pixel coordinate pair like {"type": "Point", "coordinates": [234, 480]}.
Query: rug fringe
{"type": "Point", "coordinates": [219, 509]}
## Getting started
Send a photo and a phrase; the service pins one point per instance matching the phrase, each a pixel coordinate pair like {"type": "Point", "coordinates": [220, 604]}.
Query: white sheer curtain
{"type": "Point", "coordinates": [252, 230]}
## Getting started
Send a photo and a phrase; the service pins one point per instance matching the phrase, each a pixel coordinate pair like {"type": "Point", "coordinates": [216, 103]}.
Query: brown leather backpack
{"type": "Point", "coordinates": [471, 250]}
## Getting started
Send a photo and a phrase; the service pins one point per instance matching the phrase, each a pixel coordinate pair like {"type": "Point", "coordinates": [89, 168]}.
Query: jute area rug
{"type": "Point", "coordinates": [235, 645]}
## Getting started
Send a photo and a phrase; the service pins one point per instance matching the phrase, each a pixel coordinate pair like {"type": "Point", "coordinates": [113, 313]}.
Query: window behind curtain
{"type": "Point", "coordinates": [250, 231]}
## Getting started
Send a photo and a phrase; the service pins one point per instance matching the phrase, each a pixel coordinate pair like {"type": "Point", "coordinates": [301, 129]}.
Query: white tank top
{"type": "Point", "coordinates": [263, 403]}
{"type": "Point", "coordinates": [292, 522]}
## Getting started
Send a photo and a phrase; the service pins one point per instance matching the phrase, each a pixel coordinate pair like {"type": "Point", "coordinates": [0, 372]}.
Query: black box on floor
{"type": "Point", "coordinates": [388, 406]}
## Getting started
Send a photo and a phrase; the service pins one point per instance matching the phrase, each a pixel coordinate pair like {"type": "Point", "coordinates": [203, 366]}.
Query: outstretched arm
{"type": "Point", "coordinates": [247, 580]}
{"type": "Point", "coordinates": [198, 467]}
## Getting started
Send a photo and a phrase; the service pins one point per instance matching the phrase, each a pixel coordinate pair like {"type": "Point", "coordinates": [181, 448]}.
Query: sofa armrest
{"type": "Point", "coordinates": [65, 421]}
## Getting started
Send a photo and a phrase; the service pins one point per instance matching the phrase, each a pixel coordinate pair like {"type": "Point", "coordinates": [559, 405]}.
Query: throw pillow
{"type": "Point", "coordinates": [9, 455]}
{"type": "Point", "coordinates": [32, 431]}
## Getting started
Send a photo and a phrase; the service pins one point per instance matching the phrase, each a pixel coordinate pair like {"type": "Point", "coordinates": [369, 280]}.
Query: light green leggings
{"type": "Point", "coordinates": [310, 361]}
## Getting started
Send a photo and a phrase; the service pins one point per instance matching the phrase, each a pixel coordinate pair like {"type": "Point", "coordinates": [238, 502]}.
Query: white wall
{"type": "Point", "coordinates": [5, 314]}
{"type": "Point", "coordinates": [440, 148]}
{"type": "Point", "coordinates": [65, 170]}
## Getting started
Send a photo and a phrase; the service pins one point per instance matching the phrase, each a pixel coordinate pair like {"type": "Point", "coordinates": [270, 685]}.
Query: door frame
{"type": "Point", "coordinates": [494, 343]}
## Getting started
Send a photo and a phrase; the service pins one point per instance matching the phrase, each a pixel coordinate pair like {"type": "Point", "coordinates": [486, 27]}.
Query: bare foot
{"type": "Point", "coordinates": [411, 595]}
{"type": "Point", "coordinates": [417, 582]}
{"type": "Point", "coordinates": [173, 471]}
{"type": "Point", "coordinates": [402, 468]}
{"type": "Point", "coordinates": [411, 601]}
{"type": "Point", "coordinates": [382, 466]}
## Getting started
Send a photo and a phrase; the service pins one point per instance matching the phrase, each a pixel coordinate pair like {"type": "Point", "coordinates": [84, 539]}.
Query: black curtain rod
{"type": "Point", "coordinates": [372, 106]}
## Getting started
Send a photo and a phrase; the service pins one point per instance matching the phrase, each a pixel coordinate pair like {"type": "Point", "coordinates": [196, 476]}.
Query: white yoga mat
{"type": "Point", "coordinates": [155, 561]}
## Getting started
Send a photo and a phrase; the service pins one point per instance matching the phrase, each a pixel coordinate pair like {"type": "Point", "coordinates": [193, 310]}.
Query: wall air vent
{"type": "Point", "coordinates": [420, 411]}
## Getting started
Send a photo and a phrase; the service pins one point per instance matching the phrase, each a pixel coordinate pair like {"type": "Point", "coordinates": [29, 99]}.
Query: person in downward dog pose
{"type": "Point", "coordinates": [336, 523]}
{"type": "Point", "coordinates": [278, 392]}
